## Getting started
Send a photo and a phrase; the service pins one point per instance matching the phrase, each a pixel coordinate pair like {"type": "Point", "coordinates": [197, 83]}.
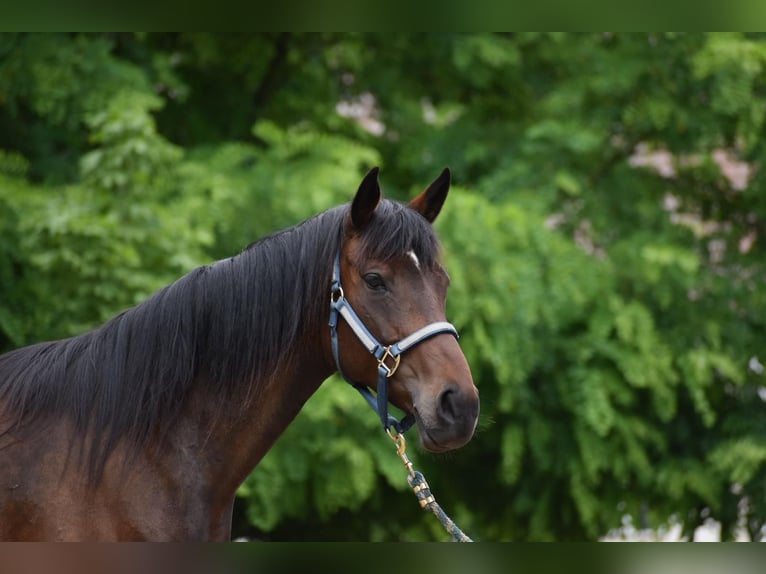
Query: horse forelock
{"type": "Point", "coordinates": [396, 230]}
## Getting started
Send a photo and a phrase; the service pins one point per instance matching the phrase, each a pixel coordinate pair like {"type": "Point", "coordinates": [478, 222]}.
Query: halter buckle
{"type": "Point", "coordinates": [382, 362]}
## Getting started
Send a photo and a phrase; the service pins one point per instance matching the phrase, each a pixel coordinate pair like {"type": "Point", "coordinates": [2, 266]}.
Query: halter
{"type": "Point", "coordinates": [387, 356]}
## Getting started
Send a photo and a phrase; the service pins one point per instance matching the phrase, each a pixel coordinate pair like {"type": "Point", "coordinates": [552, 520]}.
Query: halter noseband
{"type": "Point", "coordinates": [387, 356]}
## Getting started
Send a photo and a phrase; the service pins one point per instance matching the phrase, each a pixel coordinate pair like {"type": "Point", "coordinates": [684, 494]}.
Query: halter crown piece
{"type": "Point", "coordinates": [387, 356]}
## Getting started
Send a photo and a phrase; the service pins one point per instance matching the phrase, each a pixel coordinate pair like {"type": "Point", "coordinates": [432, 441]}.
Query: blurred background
{"type": "Point", "coordinates": [604, 234]}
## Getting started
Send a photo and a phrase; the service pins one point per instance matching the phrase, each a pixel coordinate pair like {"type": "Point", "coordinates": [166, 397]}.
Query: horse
{"type": "Point", "coordinates": [143, 428]}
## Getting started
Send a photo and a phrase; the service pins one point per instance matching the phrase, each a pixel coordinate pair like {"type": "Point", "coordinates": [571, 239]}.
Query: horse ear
{"type": "Point", "coordinates": [366, 199]}
{"type": "Point", "coordinates": [429, 203]}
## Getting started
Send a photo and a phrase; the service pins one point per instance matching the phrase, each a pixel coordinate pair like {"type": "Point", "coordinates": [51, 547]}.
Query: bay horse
{"type": "Point", "coordinates": [144, 428]}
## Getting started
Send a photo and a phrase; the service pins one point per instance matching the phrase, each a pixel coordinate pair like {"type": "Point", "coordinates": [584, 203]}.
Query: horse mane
{"type": "Point", "coordinates": [226, 325]}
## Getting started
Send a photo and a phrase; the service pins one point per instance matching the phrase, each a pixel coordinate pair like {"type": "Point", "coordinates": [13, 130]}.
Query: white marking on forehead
{"type": "Point", "coordinates": [414, 257]}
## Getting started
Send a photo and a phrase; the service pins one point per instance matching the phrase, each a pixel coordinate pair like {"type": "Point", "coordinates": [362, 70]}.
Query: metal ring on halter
{"type": "Point", "coordinates": [337, 290]}
{"type": "Point", "coordinates": [382, 362]}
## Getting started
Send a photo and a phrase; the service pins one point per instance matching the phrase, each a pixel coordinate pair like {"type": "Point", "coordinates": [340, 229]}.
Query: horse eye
{"type": "Point", "coordinates": [375, 282]}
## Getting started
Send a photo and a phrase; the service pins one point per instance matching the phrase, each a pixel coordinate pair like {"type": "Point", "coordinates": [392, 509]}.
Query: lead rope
{"type": "Point", "coordinates": [423, 492]}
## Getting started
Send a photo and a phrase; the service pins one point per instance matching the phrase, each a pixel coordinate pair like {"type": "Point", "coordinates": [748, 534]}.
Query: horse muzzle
{"type": "Point", "coordinates": [448, 421]}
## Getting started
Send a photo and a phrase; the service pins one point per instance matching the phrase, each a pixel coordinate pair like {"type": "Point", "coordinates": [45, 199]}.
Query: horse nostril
{"type": "Point", "coordinates": [447, 404]}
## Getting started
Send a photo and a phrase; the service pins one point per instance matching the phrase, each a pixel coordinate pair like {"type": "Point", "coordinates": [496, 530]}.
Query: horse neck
{"type": "Point", "coordinates": [236, 432]}
{"type": "Point", "coordinates": [247, 427]}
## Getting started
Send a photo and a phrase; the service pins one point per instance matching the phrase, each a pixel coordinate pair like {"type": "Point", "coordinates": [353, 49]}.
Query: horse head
{"type": "Point", "coordinates": [391, 277]}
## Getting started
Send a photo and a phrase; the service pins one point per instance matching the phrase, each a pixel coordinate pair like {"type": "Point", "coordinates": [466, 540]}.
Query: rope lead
{"type": "Point", "coordinates": [422, 491]}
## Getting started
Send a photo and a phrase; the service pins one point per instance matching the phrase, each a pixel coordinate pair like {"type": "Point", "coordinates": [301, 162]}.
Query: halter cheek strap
{"type": "Point", "coordinates": [387, 356]}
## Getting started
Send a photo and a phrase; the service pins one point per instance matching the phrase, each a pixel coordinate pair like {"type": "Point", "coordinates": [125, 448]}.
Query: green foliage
{"type": "Point", "coordinates": [604, 240]}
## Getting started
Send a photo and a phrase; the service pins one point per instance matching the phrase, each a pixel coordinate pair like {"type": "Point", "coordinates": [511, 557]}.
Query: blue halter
{"type": "Point", "coordinates": [387, 356]}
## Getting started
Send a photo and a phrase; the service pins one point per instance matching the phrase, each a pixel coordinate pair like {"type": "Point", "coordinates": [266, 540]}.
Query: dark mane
{"type": "Point", "coordinates": [224, 325]}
